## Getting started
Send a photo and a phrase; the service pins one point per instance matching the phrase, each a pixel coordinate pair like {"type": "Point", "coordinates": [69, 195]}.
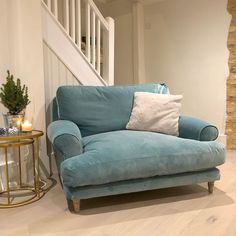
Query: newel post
{"type": "Point", "coordinates": [108, 54]}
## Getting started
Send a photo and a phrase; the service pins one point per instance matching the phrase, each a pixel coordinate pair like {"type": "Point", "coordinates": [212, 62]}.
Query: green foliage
{"type": "Point", "coordinates": [13, 95]}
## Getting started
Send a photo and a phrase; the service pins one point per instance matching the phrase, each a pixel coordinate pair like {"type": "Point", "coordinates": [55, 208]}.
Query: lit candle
{"type": "Point", "coordinates": [26, 126]}
{"type": "Point", "coordinates": [16, 121]}
{"type": "Point", "coordinates": [18, 124]}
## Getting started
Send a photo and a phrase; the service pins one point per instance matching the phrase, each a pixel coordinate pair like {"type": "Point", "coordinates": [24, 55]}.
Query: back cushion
{"type": "Point", "coordinates": [100, 109]}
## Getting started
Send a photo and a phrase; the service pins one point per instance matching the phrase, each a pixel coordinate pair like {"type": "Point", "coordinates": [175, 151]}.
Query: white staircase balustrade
{"type": "Point", "coordinates": [89, 31]}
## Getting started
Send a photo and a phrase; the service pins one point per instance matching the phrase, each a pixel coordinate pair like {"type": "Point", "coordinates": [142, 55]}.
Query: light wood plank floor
{"type": "Point", "coordinates": [188, 210]}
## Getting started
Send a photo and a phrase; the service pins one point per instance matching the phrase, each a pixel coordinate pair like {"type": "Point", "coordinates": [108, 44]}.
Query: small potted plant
{"type": "Point", "coordinates": [15, 98]}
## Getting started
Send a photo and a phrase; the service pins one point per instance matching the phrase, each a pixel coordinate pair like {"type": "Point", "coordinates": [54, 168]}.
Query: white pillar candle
{"type": "Point", "coordinates": [18, 124]}
{"type": "Point", "coordinates": [26, 126]}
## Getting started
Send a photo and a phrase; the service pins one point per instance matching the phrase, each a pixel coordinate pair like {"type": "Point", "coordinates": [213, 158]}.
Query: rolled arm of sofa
{"type": "Point", "coordinates": [193, 128]}
{"type": "Point", "coordinates": [66, 139]}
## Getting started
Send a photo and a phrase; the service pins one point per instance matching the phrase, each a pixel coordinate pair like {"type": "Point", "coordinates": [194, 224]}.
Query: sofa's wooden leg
{"type": "Point", "coordinates": [210, 187]}
{"type": "Point", "coordinates": [74, 205]}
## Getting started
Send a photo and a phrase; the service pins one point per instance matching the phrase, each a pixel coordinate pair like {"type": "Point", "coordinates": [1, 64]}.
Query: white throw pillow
{"type": "Point", "coordinates": [155, 112]}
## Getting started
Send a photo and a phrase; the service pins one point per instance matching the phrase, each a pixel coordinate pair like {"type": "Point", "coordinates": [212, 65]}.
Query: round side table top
{"type": "Point", "coordinates": [21, 135]}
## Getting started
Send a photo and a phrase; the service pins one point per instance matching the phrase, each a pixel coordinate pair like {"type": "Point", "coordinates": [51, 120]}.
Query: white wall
{"type": "Point", "coordinates": [22, 50]}
{"type": "Point", "coordinates": [121, 12]}
{"type": "Point", "coordinates": [55, 74]}
{"type": "Point", "coordinates": [4, 58]}
{"type": "Point", "coordinates": [4, 48]}
{"type": "Point", "coordinates": [123, 50]}
{"type": "Point", "coordinates": [186, 47]}
{"type": "Point", "coordinates": [27, 55]}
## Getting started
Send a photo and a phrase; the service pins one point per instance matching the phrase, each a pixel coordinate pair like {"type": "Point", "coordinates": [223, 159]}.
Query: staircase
{"type": "Point", "coordinates": [81, 38]}
{"type": "Point", "coordinates": [78, 48]}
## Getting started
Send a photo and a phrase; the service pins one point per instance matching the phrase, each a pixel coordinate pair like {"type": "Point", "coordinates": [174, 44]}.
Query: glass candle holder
{"type": "Point", "coordinates": [13, 121]}
{"type": "Point", "coordinates": [26, 126]}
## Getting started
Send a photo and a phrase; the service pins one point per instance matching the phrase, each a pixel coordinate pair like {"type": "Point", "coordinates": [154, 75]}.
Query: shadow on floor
{"type": "Point", "coordinates": [157, 197]}
{"type": "Point", "coordinates": [112, 210]}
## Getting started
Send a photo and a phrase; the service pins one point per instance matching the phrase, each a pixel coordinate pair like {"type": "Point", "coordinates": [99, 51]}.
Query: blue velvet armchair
{"type": "Point", "coordinates": [96, 156]}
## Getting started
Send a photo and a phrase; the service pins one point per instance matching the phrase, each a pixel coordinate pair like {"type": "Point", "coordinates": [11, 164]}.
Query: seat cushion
{"type": "Point", "coordinates": [124, 155]}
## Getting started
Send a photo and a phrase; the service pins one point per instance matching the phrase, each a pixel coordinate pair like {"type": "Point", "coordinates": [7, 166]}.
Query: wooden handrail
{"type": "Point", "coordinates": [98, 14]}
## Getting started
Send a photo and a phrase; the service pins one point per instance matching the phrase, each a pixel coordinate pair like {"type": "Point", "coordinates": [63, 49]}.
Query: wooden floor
{"type": "Point", "coordinates": [188, 210]}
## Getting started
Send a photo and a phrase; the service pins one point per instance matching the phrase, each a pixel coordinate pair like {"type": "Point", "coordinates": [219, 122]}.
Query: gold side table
{"type": "Point", "coordinates": [29, 193]}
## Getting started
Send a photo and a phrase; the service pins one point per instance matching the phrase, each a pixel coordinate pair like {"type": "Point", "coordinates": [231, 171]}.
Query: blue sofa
{"type": "Point", "coordinates": [96, 156]}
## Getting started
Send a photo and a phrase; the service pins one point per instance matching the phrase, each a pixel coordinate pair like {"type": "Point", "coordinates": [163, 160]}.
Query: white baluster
{"type": "Point", "coordinates": [98, 13]}
{"type": "Point", "coordinates": [93, 39]}
{"type": "Point", "coordinates": [55, 8]}
{"type": "Point", "coordinates": [66, 16]}
{"type": "Point", "coordinates": [88, 31]}
{"type": "Point", "coordinates": [72, 19]}
{"type": "Point", "coordinates": [98, 46]}
{"type": "Point", "coordinates": [78, 23]}
{"type": "Point", "coordinates": [99, 33]}
{"type": "Point", "coordinates": [48, 3]}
